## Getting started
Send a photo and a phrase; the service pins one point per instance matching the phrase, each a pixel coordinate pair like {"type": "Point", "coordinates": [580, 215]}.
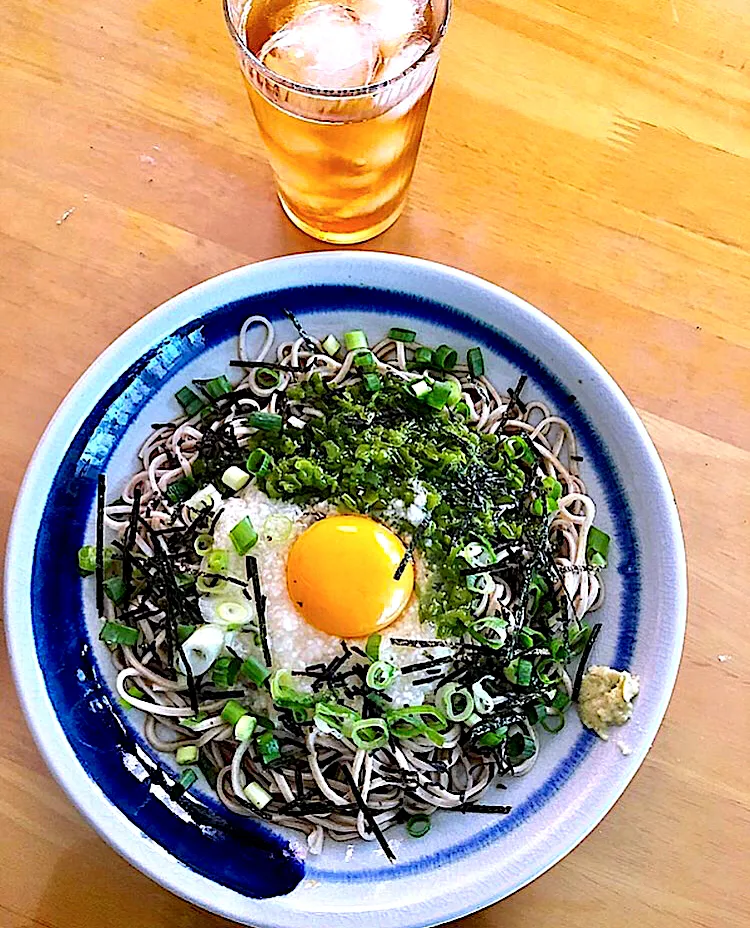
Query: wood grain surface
{"type": "Point", "coordinates": [590, 155]}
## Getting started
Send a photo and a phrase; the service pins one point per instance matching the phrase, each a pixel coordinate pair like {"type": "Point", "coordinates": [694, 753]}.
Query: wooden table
{"type": "Point", "coordinates": [590, 155]}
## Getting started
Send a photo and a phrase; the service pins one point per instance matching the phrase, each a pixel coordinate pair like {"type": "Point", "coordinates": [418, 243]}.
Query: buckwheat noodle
{"type": "Point", "coordinates": [403, 778]}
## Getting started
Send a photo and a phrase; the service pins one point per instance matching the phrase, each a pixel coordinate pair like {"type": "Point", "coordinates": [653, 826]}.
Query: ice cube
{"type": "Point", "coordinates": [394, 21]}
{"type": "Point", "coordinates": [325, 46]}
{"type": "Point", "coordinates": [405, 57]}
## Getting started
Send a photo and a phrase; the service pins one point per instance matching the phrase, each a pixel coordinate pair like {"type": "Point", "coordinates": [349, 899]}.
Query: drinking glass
{"type": "Point", "coordinates": [342, 157]}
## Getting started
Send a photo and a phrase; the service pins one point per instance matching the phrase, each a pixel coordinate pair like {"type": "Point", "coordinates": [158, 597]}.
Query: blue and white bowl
{"type": "Point", "coordinates": [239, 868]}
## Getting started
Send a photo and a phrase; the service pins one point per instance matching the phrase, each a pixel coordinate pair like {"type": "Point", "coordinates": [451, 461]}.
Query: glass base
{"type": "Point", "coordinates": [342, 238]}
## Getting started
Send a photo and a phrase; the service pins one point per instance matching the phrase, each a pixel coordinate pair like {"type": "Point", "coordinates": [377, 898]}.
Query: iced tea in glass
{"type": "Point", "coordinates": [340, 93]}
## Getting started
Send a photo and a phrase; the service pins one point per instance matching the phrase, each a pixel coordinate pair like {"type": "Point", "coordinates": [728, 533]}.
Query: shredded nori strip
{"type": "Point", "coordinates": [229, 579]}
{"type": "Point", "coordinates": [270, 365]}
{"type": "Point", "coordinates": [101, 489]}
{"type": "Point", "coordinates": [251, 570]}
{"type": "Point", "coordinates": [298, 326]}
{"type": "Point", "coordinates": [367, 812]}
{"type": "Point", "coordinates": [127, 553]}
{"type": "Point", "coordinates": [475, 807]}
{"type": "Point", "coordinates": [586, 653]}
{"type": "Point", "coordinates": [409, 553]}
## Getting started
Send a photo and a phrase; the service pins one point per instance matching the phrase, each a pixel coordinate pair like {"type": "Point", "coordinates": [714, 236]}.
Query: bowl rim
{"type": "Point", "coordinates": [48, 734]}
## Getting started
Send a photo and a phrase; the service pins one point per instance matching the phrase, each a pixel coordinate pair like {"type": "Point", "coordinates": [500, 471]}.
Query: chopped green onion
{"type": "Point", "coordinates": [483, 702]}
{"type": "Point", "coordinates": [456, 702]}
{"type": "Point", "coordinates": [135, 691]}
{"type": "Point", "coordinates": [520, 747]}
{"type": "Point", "coordinates": [268, 747]}
{"type": "Point", "coordinates": [372, 648]}
{"type": "Point", "coordinates": [492, 739]}
{"type": "Point", "coordinates": [259, 462]}
{"type": "Point", "coordinates": [233, 613]}
{"type": "Point", "coordinates": [258, 796]}
{"type": "Point", "coordinates": [372, 382]}
{"type": "Point", "coordinates": [365, 361]}
{"type": "Point", "coordinates": [235, 478]}
{"type": "Point", "coordinates": [87, 558]}
{"type": "Point", "coordinates": [455, 392]}
{"type": "Point", "coordinates": [598, 543]}
{"type": "Point", "coordinates": [276, 528]}
{"type": "Point", "coordinates": [218, 386]}
{"type": "Point", "coordinates": [265, 421]}
{"type": "Point", "coordinates": [117, 633]}
{"type": "Point", "coordinates": [524, 672]}
{"type": "Point", "coordinates": [217, 560]}
{"type": "Point", "coordinates": [233, 712]}
{"type": "Point", "coordinates": [553, 489]}
{"type": "Point", "coordinates": [424, 357]}
{"type": "Point", "coordinates": [418, 825]}
{"type": "Point", "coordinates": [475, 362]}
{"type": "Point", "coordinates": [254, 671]}
{"type": "Point", "coordinates": [420, 388]}
{"type": "Point", "coordinates": [553, 722]}
{"type": "Point", "coordinates": [445, 357]}
{"type": "Point", "coordinates": [193, 720]}
{"type": "Point", "coordinates": [187, 754]}
{"type": "Point", "coordinates": [561, 701]}
{"type": "Point", "coordinates": [207, 499]}
{"type": "Point", "coordinates": [243, 536]}
{"type": "Point", "coordinates": [463, 410]}
{"type": "Point", "coordinates": [380, 675]}
{"type": "Point", "coordinates": [439, 395]}
{"type": "Point", "coordinates": [180, 489]}
{"type": "Point", "coordinates": [267, 378]}
{"type": "Point", "coordinates": [369, 734]}
{"type": "Point", "coordinates": [184, 632]}
{"type": "Point", "coordinates": [490, 630]}
{"type": "Point", "coordinates": [331, 345]}
{"type": "Point", "coordinates": [334, 717]}
{"type": "Point", "coordinates": [355, 339]}
{"type": "Point", "coordinates": [418, 720]}
{"type": "Point", "coordinates": [245, 727]}
{"type": "Point", "coordinates": [225, 671]}
{"type": "Point", "coordinates": [402, 335]}
{"type": "Point", "coordinates": [332, 450]}
{"type": "Point", "coordinates": [187, 778]}
{"type": "Point", "coordinates": [115, 590]}
{"type": "Point", "coordinates": [210, 584]}
{"type": "Point", "coordinates": [190, 402]}
{"type": "Point", "coordinates": [480, 583]}
{"type": "Point", "coordinates": [203, 544]}
{"type": "Point", "coordinates": [285, 694]}
{"type": "Point", "coordinates": [519, 671]}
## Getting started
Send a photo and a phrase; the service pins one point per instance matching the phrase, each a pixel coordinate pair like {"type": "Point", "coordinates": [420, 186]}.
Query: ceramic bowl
{"type": "Point", "coordinates": [240, 868]}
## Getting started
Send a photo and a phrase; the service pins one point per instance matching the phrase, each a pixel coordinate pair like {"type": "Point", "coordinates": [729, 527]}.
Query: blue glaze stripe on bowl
{"type": "Point", "coordinates": [67, 514]}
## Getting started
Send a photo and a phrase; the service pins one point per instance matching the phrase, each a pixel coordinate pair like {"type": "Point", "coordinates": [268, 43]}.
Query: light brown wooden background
{"type": "Point", "coordinates": [592, 156]}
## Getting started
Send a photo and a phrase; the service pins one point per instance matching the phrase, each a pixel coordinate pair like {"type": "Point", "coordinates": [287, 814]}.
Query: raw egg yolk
{"type": "Point", "coordinates": [340, 574]}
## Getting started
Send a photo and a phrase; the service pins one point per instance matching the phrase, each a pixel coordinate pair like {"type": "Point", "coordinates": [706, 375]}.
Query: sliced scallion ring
{"type": "Point", "coordinates": [276, 529]}
{"type": "Point", "coordinates": [418, 825]}
{"type": "Point", "coordinates": [369, 734]}
{"type": "Point", "coordinates": [456, 702]}
{"type": "Point", "coordinates": [203, 544]}
{"type": "Point", "coordinates": [380, 675]}
{"type": "Point", "coordinates": [233, 612]}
